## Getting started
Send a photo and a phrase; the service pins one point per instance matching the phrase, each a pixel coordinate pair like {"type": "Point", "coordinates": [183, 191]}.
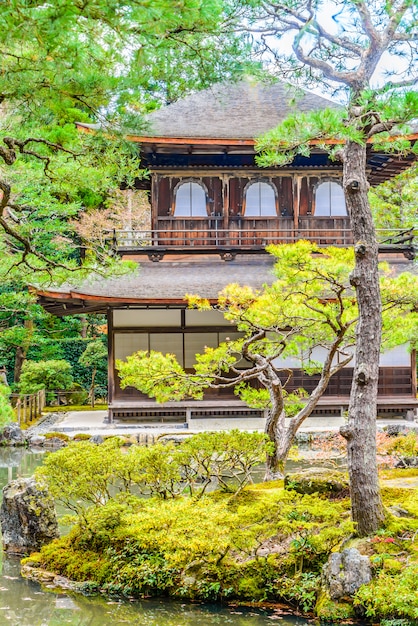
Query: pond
{"type": "Point", "coordinates": [24, 602]}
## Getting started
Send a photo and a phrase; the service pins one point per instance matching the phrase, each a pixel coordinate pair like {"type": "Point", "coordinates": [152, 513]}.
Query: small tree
{"type": "Point", "coordinates": [310, 307]}
{"type": "Point", "coordinates": [93, 356]}
{"type": "Point", "coordinates": [51, 375]}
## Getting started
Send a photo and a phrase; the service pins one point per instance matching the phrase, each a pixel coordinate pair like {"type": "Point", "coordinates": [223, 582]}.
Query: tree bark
{"type": "Point", "coordinates": [19, 360]}
{"type": "Point", "coordinates": [360, 432]}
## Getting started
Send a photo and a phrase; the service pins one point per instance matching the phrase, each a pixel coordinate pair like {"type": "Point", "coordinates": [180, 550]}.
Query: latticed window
{"type": "Point", "coordinates": [190, 200]}
{"type": "Point", "coordinates": [260, 200]}
{"type": "Point", "coordinates": [329, 200]}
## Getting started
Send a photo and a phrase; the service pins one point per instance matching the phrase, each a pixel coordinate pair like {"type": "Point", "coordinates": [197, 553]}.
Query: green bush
{"type": "Point", "coordinates": [404, 445]}
{"type": "Point", "coordinates": [391, 595]}
{"type": "Point", "coordinates": [6, 411]}
{"type": "Point", "coordinates": [71, 350]}
{"type": "Point", "coordinates": [51, 375]}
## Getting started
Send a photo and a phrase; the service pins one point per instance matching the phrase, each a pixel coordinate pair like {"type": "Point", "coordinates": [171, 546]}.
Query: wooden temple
{"type": "Point", "coordinates": [213, 211]}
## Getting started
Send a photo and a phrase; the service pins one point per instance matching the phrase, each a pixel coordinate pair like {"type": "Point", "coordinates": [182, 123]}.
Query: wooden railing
{"type": "Point", "coordinates": [28, 406]}
{"type": "Point", "coordinates": [250, 235]}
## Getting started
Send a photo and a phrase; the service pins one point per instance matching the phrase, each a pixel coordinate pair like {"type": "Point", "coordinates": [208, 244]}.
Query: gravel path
{"type": "Point", "coordinates": [45, 424]}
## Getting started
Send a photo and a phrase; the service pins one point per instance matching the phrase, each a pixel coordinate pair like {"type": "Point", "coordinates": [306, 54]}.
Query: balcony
{"type": "Point", "coordinates": [246, 236]}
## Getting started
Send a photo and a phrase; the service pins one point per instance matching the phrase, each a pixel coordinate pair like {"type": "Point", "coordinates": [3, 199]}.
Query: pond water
{"type": "Point", "coordinates": [24, 603]}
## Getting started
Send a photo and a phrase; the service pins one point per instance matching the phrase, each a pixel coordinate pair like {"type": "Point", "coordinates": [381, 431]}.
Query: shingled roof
{"type": "Point", "coordinates": [242, 110]}
{"type": "Point", "coordinates": [165, 283]}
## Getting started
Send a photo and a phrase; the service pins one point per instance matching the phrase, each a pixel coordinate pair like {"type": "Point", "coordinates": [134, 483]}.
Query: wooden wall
{"type": "Point", "coordinates": [295, 208]}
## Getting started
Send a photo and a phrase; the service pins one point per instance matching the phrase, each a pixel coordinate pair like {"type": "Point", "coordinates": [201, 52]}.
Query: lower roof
{"type": "Point", "coordinates": [158, 284]}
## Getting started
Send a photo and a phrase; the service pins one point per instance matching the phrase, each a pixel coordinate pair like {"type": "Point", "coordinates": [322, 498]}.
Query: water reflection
{"type": "Point", "coordinates": [24, 603]}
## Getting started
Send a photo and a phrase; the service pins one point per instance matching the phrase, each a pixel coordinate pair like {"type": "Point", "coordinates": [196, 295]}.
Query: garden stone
{"type": "Point", "coordinates": [407, 461]}
{"type": "Point", "coordinates": [12, 435]}
{"type": "Point", "coordinates": [398, 511]}
{"type": "Point", "coordinates": [27, 516]}
{"type": "Point", "coordinates": [317, 480]}
{"type": "Point", "coordinates": [303, 437]}
{"type": "Point", "coordinates": [393, 430]}
{"type": "Point", "coordinates": [37, 440]}
{"type": "Point", "coordinates": [98, 439]}
{"type": "Point", "coordinates": [345, 572]}
{"type": "Point", "coordinates": [54, 442]}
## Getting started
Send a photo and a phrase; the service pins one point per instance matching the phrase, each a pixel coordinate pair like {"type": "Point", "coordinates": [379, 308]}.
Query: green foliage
{"type": "Point", "coordinates": [104, 63]}
{"type": "Point", "coordinates": [94, 354]}
{"type": "Point", "coordinates": [71, 349]}
{"type": "Point", "coordinates": [301, 590]}
{"type": "Point", "coordinates": [6, 412]}
{"type": "Point", "coordinates": [391, 595]}
{"type": "Point", "coordinates": [203, 548]}
{"type": "Point", "coordinates": [403, 445]}
{"type": "Point", "coordinates": [311, 299]}
{"type": "Point", "coordinates": [51, 375]}
{"type": "Point", "coordinates": [84, 474]}
{"type": "Point", "coordinates": [394, 202]}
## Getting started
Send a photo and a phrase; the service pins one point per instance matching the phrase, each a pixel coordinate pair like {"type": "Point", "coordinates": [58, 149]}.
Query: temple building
{"type": "Point", "coordinates": [212, 212]}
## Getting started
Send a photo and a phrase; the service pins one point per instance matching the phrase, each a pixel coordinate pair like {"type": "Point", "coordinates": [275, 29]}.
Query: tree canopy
{"type": "Point", "coordinates": [305, 319]}
{"type": "Point", "coordinates": [95, 62]}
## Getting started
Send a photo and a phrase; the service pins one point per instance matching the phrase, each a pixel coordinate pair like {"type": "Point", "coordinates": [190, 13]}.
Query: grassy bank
{"type": "Point", "coordinates": [240, 542]}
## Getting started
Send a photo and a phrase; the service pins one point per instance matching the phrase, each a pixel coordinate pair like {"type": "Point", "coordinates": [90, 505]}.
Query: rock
{"type": "Point", "coordinates": [37, 441]}
{"type": "Point", "coordinates": [345, 572]}
{"type": "Point", "coordinates": [54, 442]}
{"type": "Point", "coordinates": [303, 437]}
{"type": "Point", "coordinates": [27, 516]}
{"type": "Point", "coordinates": [317, 480]}
{"type": "Point", "coordinates": [398, 511]}
{"type": "Point", "coordinates": [12, 435]}
{"type": "Point", "coordinates": [48, 579]}
{"type": "Point", "coordinates": [97, 439]}
{"type": "Point", "coordinates": [393, 430]}
{"type": "Point", "coordinates": [407, 461]}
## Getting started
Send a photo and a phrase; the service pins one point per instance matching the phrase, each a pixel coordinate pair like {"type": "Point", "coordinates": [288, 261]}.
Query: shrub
{"type": "Point", "coordinates": [6, 411]}
{"type": "Point", "coordinates": [404, 445]}
{"type": "Point", "coordinates": [51, 375]}
{"type": "Point", "coordinates": [391, 595]}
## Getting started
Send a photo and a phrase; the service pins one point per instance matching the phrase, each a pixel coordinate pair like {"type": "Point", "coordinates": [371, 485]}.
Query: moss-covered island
{"type": "Point", "coordinates": [241, 541]}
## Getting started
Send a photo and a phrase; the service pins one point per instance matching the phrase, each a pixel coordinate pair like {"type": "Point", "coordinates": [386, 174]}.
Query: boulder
{"type": "Point", "coordinates": [97, 439]}
{"type": "Point", "coordinates": [407, 461]}
{"type": "Point", "coordinates": [317, 480]}
{"type": "Point", "coordinates": [12, 435]}
{"type": "Point", "coordinates": [345, 572]}
{"type": "Point", "coordinates": [37, 441]}
{"type": "Point", "coordinates": [27, 516]}
{"type": "Point", "coordinates": [393, 430]}
{"type": "Point", "coordinates": [54, 442]}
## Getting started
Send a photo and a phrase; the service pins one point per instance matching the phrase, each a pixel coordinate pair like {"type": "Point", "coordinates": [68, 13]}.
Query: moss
{"type": "Point", "coordinates": [388, 474]}
{"type": "Point", "coordinates": [393, 565]}
{"type": "Point", "coordinates": [327, 482]}
{"type": "Point", "coordinates": [57, 435]}
{"type": "Point", "coordinates": [328, 610]}
{"type": "Point", "coordinates": [249, 587]}
{"type": "Point", "coordinates": [81, 437]}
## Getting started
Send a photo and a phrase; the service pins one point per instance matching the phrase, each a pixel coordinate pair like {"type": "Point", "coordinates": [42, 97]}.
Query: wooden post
{"type": "Point", "coordinates": [18, 411]}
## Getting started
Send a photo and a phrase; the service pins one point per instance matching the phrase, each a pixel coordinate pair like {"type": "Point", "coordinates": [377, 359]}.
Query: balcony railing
{"type": "Point", "coordinates": [230, 242]}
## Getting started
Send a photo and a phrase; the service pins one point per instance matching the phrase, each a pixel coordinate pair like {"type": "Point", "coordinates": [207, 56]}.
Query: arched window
{"type": "Point", "coordinates": [260, 200]}
{"type": "Point", "coordinates": [329, 200]}
{"type": "Point", "coordinates": [190, 200]}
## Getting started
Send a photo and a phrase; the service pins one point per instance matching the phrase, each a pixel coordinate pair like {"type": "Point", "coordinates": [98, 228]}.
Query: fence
{"type": "Point", "coordinates": [28, 406]}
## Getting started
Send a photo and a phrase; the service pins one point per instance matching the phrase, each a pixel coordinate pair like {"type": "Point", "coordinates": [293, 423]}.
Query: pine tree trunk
{"type": "Point", "coordinates": [276, 431]}
{"type": "Point", "coordinates": [19, 360]}
{"type": "Point", "coordinates": [360, 432]}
